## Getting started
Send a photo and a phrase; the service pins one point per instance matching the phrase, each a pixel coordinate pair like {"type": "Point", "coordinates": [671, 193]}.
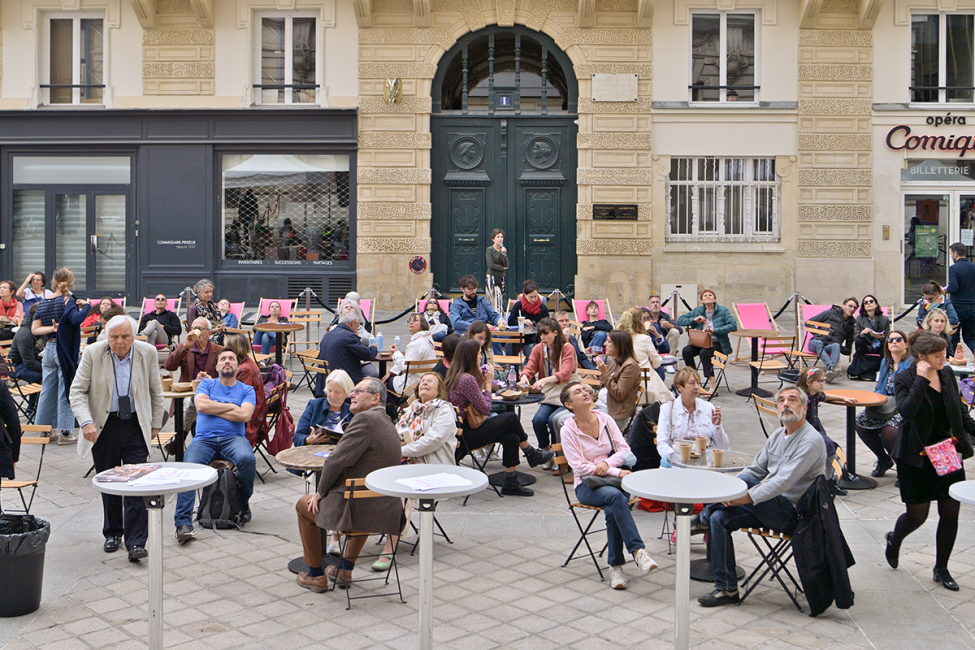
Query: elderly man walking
{"type": "Point", "coordinates": [117, 397]}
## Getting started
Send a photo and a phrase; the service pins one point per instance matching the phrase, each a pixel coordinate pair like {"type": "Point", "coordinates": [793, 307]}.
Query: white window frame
{"type": "Point", "coordinates": [942, 57]}
{"type": "Point", "coordinates": [749, 184]}
{"type": "Point", "coordinates": [45, 58]}
{"type": "Point", "coordinates": [723, 75]}
{"type": "Point", "coordinates": [288, 46]}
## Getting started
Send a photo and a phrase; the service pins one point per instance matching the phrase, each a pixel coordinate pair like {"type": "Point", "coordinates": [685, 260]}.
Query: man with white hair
{"type": "Point", "coordinates": [343, 349]}
{"type": "Point", "coordinates": [117, 397]}
{"type": "Point", "coordinates": [792, 458]}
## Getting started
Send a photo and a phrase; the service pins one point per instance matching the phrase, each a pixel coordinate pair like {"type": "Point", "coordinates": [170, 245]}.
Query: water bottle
{"type": "Point", "coordinates": [512, 377]}
{"type": "Point", "coordinates": [372, 340]}
{"type": "Point", "coordinates": [396, 342]}
{"type": "Point", "coordinates": [379, 340]}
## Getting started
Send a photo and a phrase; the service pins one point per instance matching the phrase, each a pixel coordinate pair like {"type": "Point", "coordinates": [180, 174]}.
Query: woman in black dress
{"type": "Point", "coordinates": [929, 401]}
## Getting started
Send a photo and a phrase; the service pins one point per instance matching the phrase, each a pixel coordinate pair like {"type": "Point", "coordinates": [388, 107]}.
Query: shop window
{"type": "Point", "coordinates": [288, 60]}
{"type": "Point", "coordinates": [723, 57]}
{"type": "Point", "coordinates": [283, 209]}
{"type": "Point", "coordinates": [723, 199]}
{"type": "Point", "coordinates": [73, 69]}
{"type": "Point", "coordinates": [942, 58]}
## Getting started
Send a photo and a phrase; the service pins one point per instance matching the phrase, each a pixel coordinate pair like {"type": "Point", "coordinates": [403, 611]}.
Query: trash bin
{"type": "Point", "coordinates": [23, 539]}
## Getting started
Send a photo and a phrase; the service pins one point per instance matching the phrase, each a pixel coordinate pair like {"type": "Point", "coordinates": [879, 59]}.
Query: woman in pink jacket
{"type": "Point", "coordinates": [553, 361]}
{"type": "Point", "coordinates": [594, 447]}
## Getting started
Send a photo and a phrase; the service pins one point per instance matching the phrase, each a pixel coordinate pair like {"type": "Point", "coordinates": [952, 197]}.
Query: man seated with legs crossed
{"type": "Point", "coordinates": [224, 407]}
{"type": "Point", "coordinates": [792, 458]}
{"type": "Point", "coordinates": [370, 442]}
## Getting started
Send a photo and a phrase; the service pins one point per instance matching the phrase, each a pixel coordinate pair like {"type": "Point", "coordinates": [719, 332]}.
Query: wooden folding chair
{"type": "Point", "coordinates": [312, 366]}
{"type": "Point", "coordinates": [271, 416]}
{"type": "Point", "coordinates": [43, 439]}
{"type": "Point", "coordinates": [720, 361]}
{"type": "Point", "coordinates": [355, 490]}
{"type": "Point", "coordinates": [305, 317]}
{"type": "Point", "coordinates": [801, 353]}
{"type": "Point", "coordinates": [775, 555]}
{"type": "Point", "coordinates": [765, 407]}
{"type": "Point", "coordinates": [22, 391]}
{"type": "Point", "coordinates": [414, 368]}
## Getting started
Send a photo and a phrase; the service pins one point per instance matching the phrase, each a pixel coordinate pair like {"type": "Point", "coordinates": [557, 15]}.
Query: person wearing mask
{"type": "Point", "coordinates": [32, 291]}
{"type": "Point", "coordinates": [687, 418]}
{"type": "Point", "coordinates": [594, 446]}
{"type": "Point", "coordinates": [160, 326]}
{"type": "Point", "coordinates": [594, 329]}
{"type": "Point", "coordinates": [266, 339]}
{"type": "Point", "coordinates": [714, 319]}
{"type": "Point", "coordinates": [497, 269]}
{"type": "Point", "coordinates": [664, 325]}
{"type": "Point", "coordinates": [829, 347]}
{"type": "Point", "coordinates": [929, 401]}
{"type": "Point", "coordinates": [870, 330]}
{"type": "Point", "coordinates": [11, 311]}
{"type": "Point", "coordinates": [877, 425]}
{"type": "Point", "coordinates": [961, 286]}
{"type": "Point", "coordinates": [553, 363]}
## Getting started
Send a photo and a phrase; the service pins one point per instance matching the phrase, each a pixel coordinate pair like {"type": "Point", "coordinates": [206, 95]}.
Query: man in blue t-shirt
{"type": "Point", "coordinates": [224, 408]}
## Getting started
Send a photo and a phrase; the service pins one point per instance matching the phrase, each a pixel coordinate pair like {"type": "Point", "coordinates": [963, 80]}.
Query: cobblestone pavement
{"type": "Point", "coordinates": [499, 585]}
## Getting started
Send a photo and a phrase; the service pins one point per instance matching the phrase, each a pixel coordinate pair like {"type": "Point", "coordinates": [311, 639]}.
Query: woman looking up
{"type": "Point", "coordinates": [497, 268]}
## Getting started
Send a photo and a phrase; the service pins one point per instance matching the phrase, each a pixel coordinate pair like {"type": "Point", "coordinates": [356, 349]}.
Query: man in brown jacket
{"type": "Point", "coordinates": [195, 355]}
{"type": "Point", "coordinates": [369, 443]}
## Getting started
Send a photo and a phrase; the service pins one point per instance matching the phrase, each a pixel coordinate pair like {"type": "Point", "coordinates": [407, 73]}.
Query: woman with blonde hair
{"type": "Point", "coordinates": [631, 321]}
{"type": "Point", "coordinates": [688, 417]}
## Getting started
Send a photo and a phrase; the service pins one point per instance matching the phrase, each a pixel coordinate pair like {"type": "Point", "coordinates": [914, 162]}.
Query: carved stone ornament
{"type": "Point", "coordinates": [821, 142]}
{"type": "Point", "coordinates": [397, 211]}
{"type": "Point", "coordinates": [506, 12]}
{"type": "Point", "coordinates": [835, 177]}
{"type": "Point", "coordinates": [407, 36]}
{"type": "Point", "coordinates": [576, 36]}
{"type": "Point", "coordinates": [466, 152]}
{"type": "Point", "coordinates": [392, 5]}
{"type": "Point", "coordinates": [393, 91]}
{"type": "Point", "coordinates": [177, 37]}
{"type": "Point", "coordinates": [393, 140]}
{"type": "Point", "coordinates": [836, 37]}
{"type": "Point", "coordinates": [397, 70]}
{"type": "Point", "coordinates": [538, 11]}
{"type": "Point", "coordinates": [471, 10]}
{"type": "Point", "coordinates": [614, 176]}
{"type": "Point", "coordinates": [834, 249]}
{"type": "Point", "coordinates": [642, 70]}
{"type": "Point", "coordinates": [835, 213]}
{"type": "Point", "coordinates": [636, 247]}
{"type": "Point", "coordinates": [835, 107]}
{"type": "Point", "coordinates": [840, 6]}
{"type": "Point", "coordinates": [408, 105]}
{"type": "Point", "coordinates": [616, 141]}
{"type": "Point", "coordinates": [174, 6]}
{"type": "Point", "coordinates": [835, 72]}
{"type": "Point", "coordinates": [385, 176]}
{"type": "Point", "coordinates": [401, 245]}
{"type": "Point", "coordinates": [542, 152]}
{"type": "Point", "coordinates": [584, 212]}
{"type": "Point", "coordinates": [616, 5]}
{"type": "Point", "coordinates": [641, 105]}
{"type": "Point", "coordinates": [195, 70]}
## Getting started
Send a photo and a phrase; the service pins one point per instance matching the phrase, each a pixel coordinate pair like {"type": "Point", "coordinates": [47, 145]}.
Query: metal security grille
{"type": "Point", "coordinates": [723, 199]}
{"type": "Point", "coordinates": [273, 212]}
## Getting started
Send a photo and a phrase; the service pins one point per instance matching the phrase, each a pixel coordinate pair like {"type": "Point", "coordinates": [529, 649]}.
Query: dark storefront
{"type": "Point", "coordinates": [140, 202]}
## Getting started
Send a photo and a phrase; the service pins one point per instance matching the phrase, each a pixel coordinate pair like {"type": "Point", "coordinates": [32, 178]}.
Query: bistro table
{"type": "Point", "coordinates": [384, 482]}
{"type": "Point", "coordinates": [279, 330]}
{"type": "Point", "coordinates": [962, 371]}
{"type": "Point", "coordinates": [155, 498]}
{"type": "Point", "coordinates": [963, 492]}
{"type": "Point", "coordinates": [303, 458]}
{"type": "Point", "coordinates": [178, 398]}
{"type": "Point", "coordinates": [755, 335]}
{"type": "Point", "coordinates": [684, 488]}
{"type": "Point", "coordinates": [863, 398]}
{"type": "Point", "coordinates": [383, 358]}
{"type": "Point", "coordinates": [497, 479]}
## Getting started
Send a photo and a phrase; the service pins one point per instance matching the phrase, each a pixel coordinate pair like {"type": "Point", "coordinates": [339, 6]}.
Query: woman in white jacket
{"type": "Point", "coordinates": [688, 417]}
{"type": "Point", "coordinates": [646, 356]}
{"type": "Point", "coordinates": [419, 348]}
{"type": "Point", "coordinates": [428, 430]}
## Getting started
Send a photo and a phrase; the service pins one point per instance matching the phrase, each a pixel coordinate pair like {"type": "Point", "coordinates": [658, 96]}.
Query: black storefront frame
{"type": "Point", "coordinates": [165, 143]}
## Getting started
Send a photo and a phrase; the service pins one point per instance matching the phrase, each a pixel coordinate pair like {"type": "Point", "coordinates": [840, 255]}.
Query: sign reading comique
{"type": "Point", "coordinates": [903, 138]}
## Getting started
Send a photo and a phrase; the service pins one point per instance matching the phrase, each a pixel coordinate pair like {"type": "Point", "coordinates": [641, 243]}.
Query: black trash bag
{"type": "Point", "coordinates": [23, 535]}
{"type": "Point", "coordinates": [23, 540]}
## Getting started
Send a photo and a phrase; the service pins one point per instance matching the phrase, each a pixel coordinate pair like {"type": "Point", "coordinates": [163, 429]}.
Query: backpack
{"type": "Point", "coordinates": [967, 388]}
{"type": "Point", "coordinates": [221, 504]}
{"type": "Point", "coordinates": [273, 378]}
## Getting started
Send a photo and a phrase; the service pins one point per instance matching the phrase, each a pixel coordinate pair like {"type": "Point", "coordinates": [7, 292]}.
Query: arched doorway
{"type": "Point", "coordinates": [504, 156]}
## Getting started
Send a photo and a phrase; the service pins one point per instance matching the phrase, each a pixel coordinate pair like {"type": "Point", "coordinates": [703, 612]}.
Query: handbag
{"type": "Point", "coordinates": [474, 418]}
{"type": "Point", "coordinates": [883, 412]}
{"type": "Point", "coordinates": [699, 338]}
{"type": "Point", "coordinates": [592, 482]}
{"type": "Point", "coordinates": [944, 457]}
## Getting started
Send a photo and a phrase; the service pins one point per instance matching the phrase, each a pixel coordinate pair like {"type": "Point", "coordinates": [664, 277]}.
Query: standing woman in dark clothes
{"type": "Point", "coordinates": [497, 268]}
{"type": "Point", "coordinates": [929, 401]}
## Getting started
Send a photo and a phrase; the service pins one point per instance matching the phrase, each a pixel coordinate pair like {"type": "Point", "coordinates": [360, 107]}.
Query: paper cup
{"type": "Point", "coordinates": [702, 443]}
{"type": "Point", "coordinates": [167, 383]}
{"type": "Point", "coordinates": [196, 383]}
{"type": "Point", "coordinates": [685, 452]}
{"type": "Point", "coordinates": [717, 457]}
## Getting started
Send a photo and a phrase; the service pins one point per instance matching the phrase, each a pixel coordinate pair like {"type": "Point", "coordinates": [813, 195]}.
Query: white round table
{"type": "Point", "coordinates": [155, 498]}
{"type": "Point", "coordinates": [684, 488]}
{"type": "Point", "coordinates": [963, 492]}
{"type": "Point", "coordinates": [384, 482]}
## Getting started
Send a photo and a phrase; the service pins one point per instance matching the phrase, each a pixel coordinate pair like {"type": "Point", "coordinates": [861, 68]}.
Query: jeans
{"type": "Point", "coordinates": [777, 513]}
{"type": "Point", "coordinates": [265, 340]}
{"type": "Point", "coordinates": [543, 423]}
{"type": "Point", "coordinates": [966, 324]}
{"type": "Point", "coordinates": [204, 451]}
{"type": "Point", "coordinates": [598, 340]}
{"type": "Point", "coordinates": [829, 353]}
{"type": "Point", "coordinates": [155, 333]}
{"type": "Point", "coordinates": [53, 407]}
{"type": "Point", "coordinates": [620, 527]}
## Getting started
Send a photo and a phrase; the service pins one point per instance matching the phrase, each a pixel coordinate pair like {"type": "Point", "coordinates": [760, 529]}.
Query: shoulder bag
{"type": "Point", "coordinates": [699, 338]}
{"type": "Point", "coordinates": [474, 418]}
{"type": "Point", "coordinates": [592, 482]}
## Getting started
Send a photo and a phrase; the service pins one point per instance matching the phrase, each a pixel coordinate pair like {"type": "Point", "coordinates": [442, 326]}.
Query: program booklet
{"type": "Point", "coordinates": [125, 473]}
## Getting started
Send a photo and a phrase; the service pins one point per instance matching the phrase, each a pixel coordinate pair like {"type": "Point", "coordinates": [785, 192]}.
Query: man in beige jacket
{"type": "Point", "coordinates": [117, 397]}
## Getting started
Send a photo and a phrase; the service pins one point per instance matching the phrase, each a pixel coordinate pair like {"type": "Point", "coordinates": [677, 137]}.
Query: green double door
{"type": "Point", "coordinates": [513, 173]}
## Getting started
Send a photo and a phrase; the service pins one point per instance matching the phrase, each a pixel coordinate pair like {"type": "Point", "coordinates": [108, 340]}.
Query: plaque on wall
{"type": "Point", "coordinates": [610, 212]}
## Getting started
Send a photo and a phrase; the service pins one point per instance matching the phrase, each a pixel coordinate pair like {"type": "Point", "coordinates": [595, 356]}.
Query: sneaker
{"type": "Point", "coordinates": [881, 467]}
{"type": "Point", "coordinates": [547, 465]}
{"type": "Point", "coordinates": [481, 455]}
{"type": "Point", "coordinates": [334, 549]}
{"type": "Point", "coordinates": [539, 457]}
{"type": "Point", "coordinates": [830, 375]}
{"type": "Point", "coordinates": [643, 561]}
{"type": "Point", "coordinates": [616, 578]}
{"type": "Point", "coordinates": [719, 597]}
{"type": "Point", "coordinates": [68, 438]}
{"type": "Point", "coordinates": [697, 526]}
{"type": "Point", "coordinates": [184, 534]}
{"type": "Point", "coordinates": [246, 516]}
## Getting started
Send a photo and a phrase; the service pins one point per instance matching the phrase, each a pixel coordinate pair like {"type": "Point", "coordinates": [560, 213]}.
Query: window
{"type": "Point", "coordinates": [942, 58]}
{"type": "Point", "coordinates": [74, 73]}
{"type": "Point", "coordinates": [723, 199]}
{"type": "Point", "coordinates": [723, 55]}
{"type": "Point", "coordinates": [283, 209]}
{"type": "Point", "coordinates": [288, 61]}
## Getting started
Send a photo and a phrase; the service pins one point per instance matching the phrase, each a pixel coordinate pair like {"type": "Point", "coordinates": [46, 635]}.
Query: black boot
{"type": "Point", "coordinates": [512, 488]}
{"type": "Point", "coordinates": [538, 457]}
{"type": "Point", "coordinates": [835, 489]}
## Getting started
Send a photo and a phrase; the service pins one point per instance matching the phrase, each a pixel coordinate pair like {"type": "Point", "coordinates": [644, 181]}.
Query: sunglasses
{"type": "Point", "coordinates": [895, 339]}
{"type": "Point", "coordinates": [869, 302]}
{"type": "Point", "coordinates": [161, 299]}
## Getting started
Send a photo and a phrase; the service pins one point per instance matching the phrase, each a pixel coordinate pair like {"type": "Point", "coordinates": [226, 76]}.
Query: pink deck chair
{"type": "Point", "coordinates": [421, 306]}
{"type": "Point", "coordinates": [365, 304]}
{"type": "Point", "coordinates": [757, 316]}
{"type": "Point", "coordinates": [172, 304]}
{"type": "Point", "coordinates": [119, 301]}
{"type": "Point", "coordinates": [605, 311]}
{"type": "Point", "coordinates": [262, 308]}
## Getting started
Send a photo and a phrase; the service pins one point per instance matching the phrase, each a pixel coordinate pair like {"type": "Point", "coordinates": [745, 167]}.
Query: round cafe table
{"type": "Point", "coordinates": [155, 498]}
{"type": "Point", "coordinates": [852, 481]}
{"type": "Point", "coordinates": [963, 492]}
{"type": "Point", "coordinates": [384, 482]}
{"type": "Point", "coordinates": [755, 335]}
{"type": "Point", "coordinates": [303, 459]}
{"type": "Point", "coordinates": [684, 488]}
{"type": "Point", "coordinates": [279, 330]}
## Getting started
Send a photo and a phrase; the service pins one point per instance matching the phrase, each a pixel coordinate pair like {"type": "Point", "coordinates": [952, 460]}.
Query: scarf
{"type": "Point", "coordinates": [414, 417]}
{"type": "Point", "coordinates": [8, 309]}
{"type": "Point", "coordinates": [531, 308]}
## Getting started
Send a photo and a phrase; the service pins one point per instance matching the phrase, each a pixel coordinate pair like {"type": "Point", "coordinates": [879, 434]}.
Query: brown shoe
{"type": "Point", "coordinates": [318, 584]}
{"type": "Point", "coordinates": [568, 478]}
{"type": "Point", "coordinates": [344, 577]}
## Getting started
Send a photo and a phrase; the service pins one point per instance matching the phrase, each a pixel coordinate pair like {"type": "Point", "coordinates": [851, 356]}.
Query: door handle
{"type": "Point", "coordinates": [540, 241]}
{"type": "Point", "coordinates": [466, 239]}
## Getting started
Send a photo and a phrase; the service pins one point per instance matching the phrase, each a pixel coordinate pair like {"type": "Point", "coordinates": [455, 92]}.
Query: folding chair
{"type": "Point", "coordinates": [584, 531]}
{"type": "Point", "coordinates": [162, 440]}
{"type": "Point", "coordinates": [355, 490]}
{"type": "Point", "coordinates": [307, 318]}
{"type": "Point", "coordinates": [21, 391]}
{"type": "Point", "coordinates": [765, 407]}
{"type": "Point", "coordinates": [416, 531]}
{"type": "Point", "coordinates": [775, 555]}
{"type": "Point", "coordinates": [265, 303]}
{"type": "Point", "coordinates": [43, 439]}
{"type": "Point", "coordinates": [605, 311]}
{"type": "Point", "coordinates": [480, 465]}
{"type": "Point", "coordinates": [416, 368]}
{"type": "Point", "coordinates": [274, 407]}
{"type": "Point", "coordinates": [801, 352]}
{"type": "Point", "coordinates": [720, 361]}
{"type": "Point", "coordinates": [312, 366]}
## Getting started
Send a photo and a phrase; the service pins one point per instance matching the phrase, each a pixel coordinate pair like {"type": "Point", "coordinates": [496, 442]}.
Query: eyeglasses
{"type": "Point", "coordinates": [869, 302]}
{"type": "Point", "coordinates": [895, 339]}
{"type": "Point", "coordinates": [357, 391]}
{"type": "Point", "coordinates": [162, 299]}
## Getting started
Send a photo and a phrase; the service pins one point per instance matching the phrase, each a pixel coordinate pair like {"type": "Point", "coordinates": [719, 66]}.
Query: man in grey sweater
{"type": "Point", "coordinates": [783, 470]}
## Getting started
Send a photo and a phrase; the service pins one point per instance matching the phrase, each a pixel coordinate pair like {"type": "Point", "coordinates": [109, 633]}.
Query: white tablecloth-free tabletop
{"type": "Point", "coordinates": [963, 492]}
